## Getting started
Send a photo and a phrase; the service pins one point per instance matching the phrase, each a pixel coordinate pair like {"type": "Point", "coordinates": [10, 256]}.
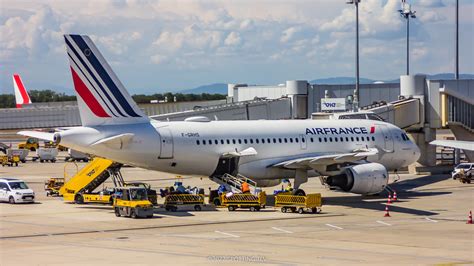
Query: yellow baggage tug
{"type": "Point", "coordinates": [301, 204]}
{"type": "Point", "coordinates": [132, 202]}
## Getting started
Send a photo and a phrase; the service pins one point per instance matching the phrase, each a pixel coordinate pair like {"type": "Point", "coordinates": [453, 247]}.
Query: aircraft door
{"type": "Point", "coordinates": [303, 142]}
{"type": "Point", "coordinates": [388, 139]}
{"type": "Point", "coordinates": [166, 151]}
{"type": "Point", "coordinates": [227, 166]}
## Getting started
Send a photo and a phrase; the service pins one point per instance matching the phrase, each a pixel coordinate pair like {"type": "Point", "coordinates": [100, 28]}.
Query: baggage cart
{"type": "Point", "coordinates": [22, 153]}
{"type": "Point", "coordinates": [244, 201]}
{"type": "Point", "coordinates": [301, 204]}
{"type": "Point", "coordinates": [46, 154]}
{"type": "Point", "coordinates": [9, 160]}
{"type": "Point", "coordinates": [172, 201]}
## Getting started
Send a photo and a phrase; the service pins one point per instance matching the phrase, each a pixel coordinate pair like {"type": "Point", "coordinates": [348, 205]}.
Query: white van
{"type": "Point", "coordinates": [15, 191]}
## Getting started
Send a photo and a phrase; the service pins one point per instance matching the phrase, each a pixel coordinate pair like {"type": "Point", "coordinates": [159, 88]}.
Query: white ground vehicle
{"type": "Point", "coordinates": [46, 154]}
{"type": "Point", "coordinates": [15, 191]}
{"type": "Point", "coordinates": [468, 169]}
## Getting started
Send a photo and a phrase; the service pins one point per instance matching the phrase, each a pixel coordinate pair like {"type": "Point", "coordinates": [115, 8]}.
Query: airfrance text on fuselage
{"type": "Point", "coordinates": [336, 131]}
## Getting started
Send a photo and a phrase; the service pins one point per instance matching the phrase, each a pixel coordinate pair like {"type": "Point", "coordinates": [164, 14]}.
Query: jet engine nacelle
{"type": "Point", "coordinates": [268, 182]}
{"type": "Point", "coordinates": [369, 178]}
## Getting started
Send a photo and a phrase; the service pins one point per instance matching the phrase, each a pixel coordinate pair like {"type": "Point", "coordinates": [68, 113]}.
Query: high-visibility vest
{"type": "Point", "coordinates": [245, 187]}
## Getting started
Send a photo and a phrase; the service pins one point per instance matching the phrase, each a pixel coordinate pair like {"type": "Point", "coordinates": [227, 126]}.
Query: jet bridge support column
{"type": "Point", "coordinates": [414, 86]}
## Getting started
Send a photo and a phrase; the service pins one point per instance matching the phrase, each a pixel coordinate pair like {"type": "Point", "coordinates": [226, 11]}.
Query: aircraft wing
{"type": "Point", "coordinates": [457, 144]}
{"type": "Point", "coordinates": [37, 134]}
{"type": "Point", "coordinates": [314, 161]}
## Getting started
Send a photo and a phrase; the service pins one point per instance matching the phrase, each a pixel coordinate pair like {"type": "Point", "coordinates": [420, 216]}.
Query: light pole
{"type": "Point", "coordinates": [406, 13]}
{"type": "Point", "coordinates": [356, 91]}
{"type": "Point", "coordinates": [456, 75]}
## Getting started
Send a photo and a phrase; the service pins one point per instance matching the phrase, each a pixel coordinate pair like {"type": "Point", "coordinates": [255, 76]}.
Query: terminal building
{"type": "Point", "coordinates": [417, 104]}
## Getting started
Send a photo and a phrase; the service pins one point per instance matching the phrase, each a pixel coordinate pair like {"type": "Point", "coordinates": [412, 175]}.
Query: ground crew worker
{"type": "Point", "coordinates": [289, 187]}
{"type": "Point", "coordinates": [245, 187]}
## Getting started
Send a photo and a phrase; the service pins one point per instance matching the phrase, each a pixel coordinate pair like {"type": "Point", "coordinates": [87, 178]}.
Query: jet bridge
{"type": "Point", "coordinates": [404, 113]}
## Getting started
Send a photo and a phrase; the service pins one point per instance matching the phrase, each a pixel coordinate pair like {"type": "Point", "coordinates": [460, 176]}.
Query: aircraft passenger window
{"type": "Point", "coordinates": [291, 140]}
{"type": "Point", "coordinates": [274, 140]}
{"type": "Point", "coordinates": [335, 139]}
{"type": "Point", "coordinates": [279, 140]}
{"type": "Point", "coordinates": [233, 141]}
{"type": "Point", "coordinates": [269, 141]}
{"type": "Point", "coordinates": [368, 139]}
{"type": "Point", "coordinates": [203, 142]}
{"type": "Point", "coordinates": [240, 141]}
{"type": "Point", "coordinates": [197, 142]}
{"type": "Point", "coordinates": [303, 140]}
{"type": "Point", "coordinates": [286, 140]}
{"type": "Point", "coordinates": [222, 141]}
{"type": "Point", "coordinates": [216, 141]}
{"type": "Point", "coordinates": [330, 139]}
{"type": "Point", "coordinates": [256, 141]}
{"type": "Point", "coordinates": [357, 138]}
{"type": "Point", "coordinates": [251, 141]}
{"type": "Point", "coordinates": [319, 139]}
{"type": "Point", "coordinates": [373, 138]}
{"type": "Point", "coordinates": [263, 141]}
{"type": "Point", "coordinates": [325, 139]}
{"type": "Point", "coordinates": [352, 138]}
{"type": "Point", "coordinates": [347, 139]}
{"type": "Point", "coordinates": [312, 140]}
{"type": "Point", "coordinates": [228, 141]}
{"type": "Point", "coordinates": [245, 141]}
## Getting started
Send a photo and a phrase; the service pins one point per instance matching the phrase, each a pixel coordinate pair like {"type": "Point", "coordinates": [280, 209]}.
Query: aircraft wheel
{"type": "Point", "coordinates": [299, 192]}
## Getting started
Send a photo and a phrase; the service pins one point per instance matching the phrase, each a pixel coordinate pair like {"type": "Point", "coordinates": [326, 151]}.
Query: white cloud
{"type": "Point", "coordinates": [233, 39]}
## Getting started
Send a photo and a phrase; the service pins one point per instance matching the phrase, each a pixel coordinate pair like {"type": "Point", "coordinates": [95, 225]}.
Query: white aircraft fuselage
{"type": "Point", "coordinates": [196, 147]}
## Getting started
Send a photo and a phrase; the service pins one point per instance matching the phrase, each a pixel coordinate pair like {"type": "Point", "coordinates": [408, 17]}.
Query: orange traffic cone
{"type": "Point", "coordinates": [395, 196]}
{"type": "Point", "coordinates": [387, 214]}
{"type": "Point", "coordinates": [469, 220]}
{"type": "Point", "coordinates": [389, 201]}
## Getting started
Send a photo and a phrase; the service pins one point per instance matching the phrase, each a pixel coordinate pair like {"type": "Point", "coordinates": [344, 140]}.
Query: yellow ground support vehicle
{"type": "Point", "coordinates": [300, 204]}
{"type": "Point", "coordinates": [151, 193]}
{"type": "Point", "coordinates": [9, 160]}
{"type": "Point", "coordinates": [172, 201]}
{"type": "Point", "coordinates": [132, 202]}
{"type": "Point", "coordinates": [31, 144]}
{"type": "Point", "coordinates": [52, 186]}
{"type": "Point", "coordinates": [80, 188]}
{"type": "Point", "coordinates": [244, 200]}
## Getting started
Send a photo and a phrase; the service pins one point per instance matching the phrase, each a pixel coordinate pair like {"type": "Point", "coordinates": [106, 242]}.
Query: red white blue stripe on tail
{"type": "Point", "coordinates": [97, 85]}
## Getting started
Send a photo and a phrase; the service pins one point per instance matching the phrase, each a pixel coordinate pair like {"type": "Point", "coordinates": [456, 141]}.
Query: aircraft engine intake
{"type": "Point", "coordinates": [365, 179]}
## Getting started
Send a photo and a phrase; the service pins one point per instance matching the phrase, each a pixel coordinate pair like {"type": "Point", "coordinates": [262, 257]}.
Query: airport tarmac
{"type": "Point", "coordinates": [427, 226]}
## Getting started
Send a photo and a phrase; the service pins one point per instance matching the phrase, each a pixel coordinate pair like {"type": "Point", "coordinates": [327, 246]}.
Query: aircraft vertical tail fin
{"type": "Point", "coordinates": [102, 98]}
{"type": "Point", "coordinates": [21, 95]}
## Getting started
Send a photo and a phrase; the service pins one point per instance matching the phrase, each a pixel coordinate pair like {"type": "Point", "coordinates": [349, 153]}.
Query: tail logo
{"type": "Point", "coordinates": [95, 81]}
{"type": "Point", "coordinates": [21, 96]}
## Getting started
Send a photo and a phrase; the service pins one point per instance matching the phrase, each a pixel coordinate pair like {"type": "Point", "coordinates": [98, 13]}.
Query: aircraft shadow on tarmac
{"type": "Point", "coordinates": [405, 193]}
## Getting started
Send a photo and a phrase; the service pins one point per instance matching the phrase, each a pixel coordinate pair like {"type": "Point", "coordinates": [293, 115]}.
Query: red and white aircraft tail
{"type": "Point", "coordinates": [21, 96]}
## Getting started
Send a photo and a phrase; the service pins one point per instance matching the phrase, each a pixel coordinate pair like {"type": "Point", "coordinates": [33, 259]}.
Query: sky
{"type": "Point", "coordinates": [156, 46]}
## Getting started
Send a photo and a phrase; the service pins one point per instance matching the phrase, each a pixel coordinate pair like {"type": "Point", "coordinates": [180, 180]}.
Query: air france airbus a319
{"type": "Point", "coordinates": [353, 155]}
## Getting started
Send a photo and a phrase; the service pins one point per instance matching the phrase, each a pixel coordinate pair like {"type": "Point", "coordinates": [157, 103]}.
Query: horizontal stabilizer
{"type": "Point", "coordinates": [247, 152]}
{"type": "Point", "coordinates": [38, 134]}
{"type": "Point", "coordinates": [116, 142]}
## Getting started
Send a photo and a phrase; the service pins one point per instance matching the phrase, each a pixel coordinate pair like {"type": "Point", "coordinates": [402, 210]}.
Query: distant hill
{"type": "Point", "coordinates": [219, 88]}
{"type": "Point", "coordinates": [340, 80]}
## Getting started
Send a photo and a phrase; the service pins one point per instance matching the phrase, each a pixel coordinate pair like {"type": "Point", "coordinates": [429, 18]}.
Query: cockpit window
{"type": "Point", "coordinates": [374, 117]}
